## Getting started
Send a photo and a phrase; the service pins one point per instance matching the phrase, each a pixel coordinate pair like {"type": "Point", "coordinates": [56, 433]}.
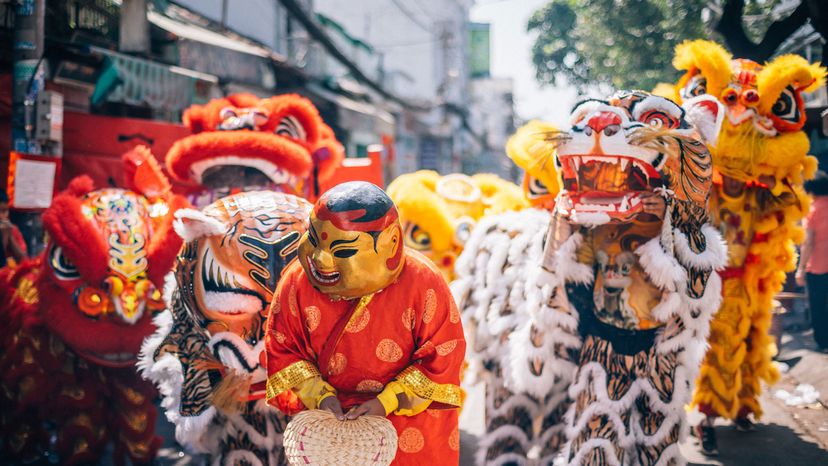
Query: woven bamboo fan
{"type": "Point", "coordinates": [318, 438]}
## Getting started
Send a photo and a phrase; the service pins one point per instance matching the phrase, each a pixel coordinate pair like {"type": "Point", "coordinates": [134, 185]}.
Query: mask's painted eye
{"type": "Point", "coordinates": [535, 188]}
{"type": "Point", "coordinates": [696, 86]}
{"type": "Point", "coordinates": [64, 268]}
{"type": "Point", "coordinates": [659, 119]}
{"type": "Point", "coordinates": [344, 253]}
{"type": "Point", "coordinates": [291, 128]}
{"type": "Point", "coordinates": [463, 230]}
{"type": "Point", "coordinates": [416, 237]}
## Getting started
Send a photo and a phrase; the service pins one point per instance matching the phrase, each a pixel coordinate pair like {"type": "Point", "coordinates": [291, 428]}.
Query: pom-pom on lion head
{"type": "Point", "coordinates": [104, 265]}
{"type": "Point", "coordinates": [243, 142]}
{"type": "Point", "coordinates": [762, 135]}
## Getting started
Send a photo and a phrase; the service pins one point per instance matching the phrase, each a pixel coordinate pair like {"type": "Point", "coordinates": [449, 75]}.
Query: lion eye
{"type": "Point", "coordinates": [536, 188]}
{"type": "Point", "coordinates": [416, 237]}
{"type": "Point", "coordinates": [290, 127]}
{"type": "Point", "coordinates": [659, 119]}
{"type": "Point", "coordinates": [785, 106]}
{"type": "Point", "coordinates": [64, 268]}
{"type": "Point", "coordinates": [696, 86]}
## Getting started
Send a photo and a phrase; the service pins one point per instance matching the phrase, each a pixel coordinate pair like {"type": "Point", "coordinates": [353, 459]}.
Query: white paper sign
{"type": "Point", "coordinates": [34, 184]}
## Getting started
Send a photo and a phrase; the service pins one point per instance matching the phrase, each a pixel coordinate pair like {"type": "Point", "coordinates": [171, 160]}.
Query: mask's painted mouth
{"type": "Point", "coordinates": [114, 360]}
{"type": "Point", "coordinates": [607, 185]}
{"type": "Point", "coordinates": [323, 278]}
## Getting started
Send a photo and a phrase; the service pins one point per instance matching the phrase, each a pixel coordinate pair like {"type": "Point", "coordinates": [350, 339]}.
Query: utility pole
{"type": "Point", "coordinates": [29, 80]}
{"type": "Point", "coordinates": [28, 73]}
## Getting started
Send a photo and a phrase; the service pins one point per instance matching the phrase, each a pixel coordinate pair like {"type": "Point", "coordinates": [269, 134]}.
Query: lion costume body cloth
{"type": "Point", "coordinates": [619, 294]}
{"type": "Point", "coordinates": [74, 319]}
{"type": "Point", "coordinates": [525, 396]}
{"type": "Point", "coordinates": [761, 161]}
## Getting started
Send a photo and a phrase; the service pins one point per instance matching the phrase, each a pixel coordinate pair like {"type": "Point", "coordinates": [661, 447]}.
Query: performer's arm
{"type": "Point", "coordinates": [289, 360]}
{"type": "Point", "coordinates": [433, 378]}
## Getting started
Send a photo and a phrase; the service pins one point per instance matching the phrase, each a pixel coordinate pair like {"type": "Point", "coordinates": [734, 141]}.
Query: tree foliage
{"type": "Point", "coordinates": [630, 43]}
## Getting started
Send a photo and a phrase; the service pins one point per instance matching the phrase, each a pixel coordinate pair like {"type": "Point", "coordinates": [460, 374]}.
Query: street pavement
{"type": "Point", "coordinates": [786, 435]}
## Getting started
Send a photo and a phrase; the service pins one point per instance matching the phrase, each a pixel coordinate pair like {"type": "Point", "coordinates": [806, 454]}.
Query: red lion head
{"type": "Point", "coordinates": [240, 141]}
{"type": "Point", "coordinates": [104, 265]}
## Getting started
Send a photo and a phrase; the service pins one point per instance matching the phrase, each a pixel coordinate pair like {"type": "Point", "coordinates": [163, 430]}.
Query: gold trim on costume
{"type": "Point", "coordinates": [425, 388]}
{"type": "Point", "coordinates": [290, 377]}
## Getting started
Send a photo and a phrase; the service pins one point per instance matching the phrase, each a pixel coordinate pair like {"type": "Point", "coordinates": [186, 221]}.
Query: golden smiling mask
{"type": "Point", "coordinates": [354, 244]}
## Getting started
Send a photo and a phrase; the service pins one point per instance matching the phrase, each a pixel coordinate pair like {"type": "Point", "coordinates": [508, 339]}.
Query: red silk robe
{"type": "Point", "coordinates": [410, 331]}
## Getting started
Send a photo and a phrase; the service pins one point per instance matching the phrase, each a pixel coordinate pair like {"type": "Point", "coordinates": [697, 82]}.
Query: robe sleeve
{"type": "Point", "coordinates": [289, 359]}
{"type": "Point", "coordinates": [440, 346]}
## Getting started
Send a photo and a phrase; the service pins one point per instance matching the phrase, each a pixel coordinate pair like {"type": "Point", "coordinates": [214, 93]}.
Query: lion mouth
{"type": "Point", "coordinates": [223, 291]}
{"type": "Point", "coordinates": [123, 359]}
{"type": "Point", "coordinates": [607, 184]}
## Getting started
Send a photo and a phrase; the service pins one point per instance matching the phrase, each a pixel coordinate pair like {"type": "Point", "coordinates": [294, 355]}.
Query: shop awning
{"type": "Point", "coordinates": [203, 35]}
{"type": "Point", "coordinates": [136, 81]}
{"type": "Point", "coordinates": [382, 122]}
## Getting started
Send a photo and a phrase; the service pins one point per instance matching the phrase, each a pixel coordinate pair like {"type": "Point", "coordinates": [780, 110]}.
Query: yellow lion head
{"type": "Point", "coordinates": [762, 135]}
{"type": "Point", "coordinates": [439, 212]}
{"type": "Point", "coordinates": [531, 150]}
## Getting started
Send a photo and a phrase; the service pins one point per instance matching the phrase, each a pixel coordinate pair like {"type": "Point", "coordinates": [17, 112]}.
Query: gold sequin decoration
{"type": "Point", "coordinates": [427, 389]}
{"type": "Point", "coordinates": [337, 364]}
{"type": "Point", "coordinates": [293, 301]}
{"type": "Point", "coordinates": [430, 305]}
{"type": "Point", "coordinates": [290, 377]}
{"type": "Point", "coordinates": [359, 323]}
{"type": "Point", "coordinates": [408, 318]}
{"type": "Point", "coordinates": [411, 440]}
{"type": "Point", "coordinates": [444, 349]}
{"type": "Point", "coordinates": [312, 317]}
{"type": "Point", "coordinates": [389, 351]}
{"type": "Point", "coordinates": [369, 386]}
{"type": "Point", "coordinates": [26, 291]}
{"type": "Point", "coordinates": [454, 440]}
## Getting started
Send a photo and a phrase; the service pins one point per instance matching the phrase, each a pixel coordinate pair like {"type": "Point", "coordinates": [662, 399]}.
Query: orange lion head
{"type": "Point", "coordinates": [242, 142]}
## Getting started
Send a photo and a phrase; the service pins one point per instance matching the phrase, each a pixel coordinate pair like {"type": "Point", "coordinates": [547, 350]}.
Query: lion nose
{"type": "Point", "coordinates": [608, 122]}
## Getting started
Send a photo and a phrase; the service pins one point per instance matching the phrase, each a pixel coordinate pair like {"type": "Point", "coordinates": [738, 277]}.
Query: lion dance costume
{"type": "Point", "coordinates": [210, 339]}
{"type": "Point", "coordinates": [205, 355]}
{"type": "Point", "coordinates": [760, 162]}
{"type": "Point", "coordinates": [438, 213]}
{"type": "Point", "coordinates": [521, 359]}
{"type": "Point", "coordinates": [244, 143]}
{"type": "Point", "coordinates": [74, 319]}
{"type": "Point", "coordinates": [622, 293]}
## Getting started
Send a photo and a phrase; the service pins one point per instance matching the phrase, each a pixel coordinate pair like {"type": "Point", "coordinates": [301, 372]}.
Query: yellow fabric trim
{"type": "Point", "coordinates": [414, 380]}
{"type": "Point", "coordinates": [313, 390]}
{"type": "Point", "coordinates": [290, 377]}
{"type": "Point", "coordinates": [388, 397]}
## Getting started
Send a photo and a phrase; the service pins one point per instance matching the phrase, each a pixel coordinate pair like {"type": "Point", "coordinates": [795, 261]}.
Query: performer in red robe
{"type": "Point", "coordinates": [361, 325]}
